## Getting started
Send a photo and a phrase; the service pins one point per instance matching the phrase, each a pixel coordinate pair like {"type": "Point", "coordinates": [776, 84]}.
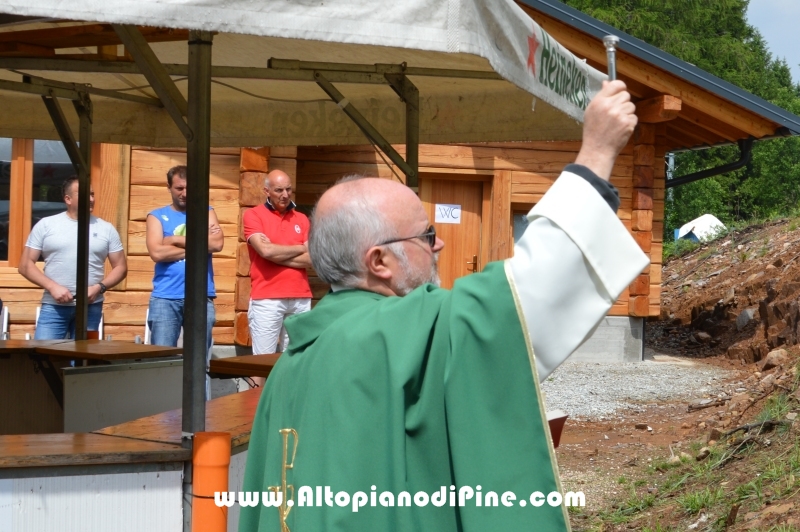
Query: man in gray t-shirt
{"type": "Point", "coordinates": [55, 239]}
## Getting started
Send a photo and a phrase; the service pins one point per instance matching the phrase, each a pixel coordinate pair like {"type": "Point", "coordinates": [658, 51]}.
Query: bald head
{"type": "Point", "coordinates": [352, 221]}
{"type": "Point", "coordinates": [278, 187]}
{"type": "Point", "coordinates": [390, 198]}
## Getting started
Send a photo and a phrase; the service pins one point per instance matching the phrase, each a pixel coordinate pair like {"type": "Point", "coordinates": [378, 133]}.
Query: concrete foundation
{"type": "Point", "coordinates": [616, 339]}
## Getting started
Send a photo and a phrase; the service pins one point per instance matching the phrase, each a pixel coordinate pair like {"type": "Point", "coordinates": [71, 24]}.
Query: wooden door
{"type": "Point", "coordinates": [454, 207]}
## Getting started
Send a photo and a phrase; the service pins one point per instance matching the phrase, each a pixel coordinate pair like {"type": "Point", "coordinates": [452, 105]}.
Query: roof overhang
{"type": "Point", "coordinates": [710, 111]}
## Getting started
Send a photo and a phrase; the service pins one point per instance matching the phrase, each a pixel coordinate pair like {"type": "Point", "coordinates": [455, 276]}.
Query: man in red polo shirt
{"type": "Point", "coordinates": [277, 237]}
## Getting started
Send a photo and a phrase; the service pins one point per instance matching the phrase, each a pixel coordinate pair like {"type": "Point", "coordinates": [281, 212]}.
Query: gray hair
{"type": "Point", "coordinates": [338, 241]}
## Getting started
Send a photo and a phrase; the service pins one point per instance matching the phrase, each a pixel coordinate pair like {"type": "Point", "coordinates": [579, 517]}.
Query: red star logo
{"type": "Point", "coordinates": [533, 44]}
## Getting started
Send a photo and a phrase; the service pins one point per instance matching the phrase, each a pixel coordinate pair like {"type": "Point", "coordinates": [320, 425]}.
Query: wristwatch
{"type": "Point", "coordinates": [103, 288]}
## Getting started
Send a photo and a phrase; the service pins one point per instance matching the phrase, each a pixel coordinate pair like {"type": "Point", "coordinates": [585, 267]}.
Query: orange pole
{"type": "Point", "coordinates": [211, 458]}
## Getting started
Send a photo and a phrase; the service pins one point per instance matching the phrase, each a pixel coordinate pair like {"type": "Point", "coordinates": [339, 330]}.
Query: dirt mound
{"type": "Point", "coordinates": [738, 295]}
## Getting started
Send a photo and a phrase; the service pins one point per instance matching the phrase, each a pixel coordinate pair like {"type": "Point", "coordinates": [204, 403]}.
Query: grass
{"type": "Point", "coordinates": [758, 475]}
{"type": "Point", "coordinates": [695, 501]}
{"type": "Point", "coordinates": [762, 475]}
{"type": "Point", "coordinates": [678, 248]}
{"type": "Point", "coordinates": [777, 407]}
{"type": "Point", "coordinates": [634, 504]}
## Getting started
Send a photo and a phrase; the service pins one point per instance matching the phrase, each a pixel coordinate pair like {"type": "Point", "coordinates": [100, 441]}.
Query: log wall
{"type": "Point", "coordinates": [520, 174]}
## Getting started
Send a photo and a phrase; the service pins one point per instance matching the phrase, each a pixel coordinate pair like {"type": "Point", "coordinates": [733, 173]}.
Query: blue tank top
{"type": "Point", "coordinates": [169, 281]}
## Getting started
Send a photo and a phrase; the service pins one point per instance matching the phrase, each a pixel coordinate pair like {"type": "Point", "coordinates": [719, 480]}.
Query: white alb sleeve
{"type": "Point", "coordinates": [574, 260]}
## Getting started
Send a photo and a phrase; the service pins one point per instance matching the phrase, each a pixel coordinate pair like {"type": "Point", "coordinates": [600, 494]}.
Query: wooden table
{"type": "Point", "coordinates": [232, 413]}
{"type": "Point", "coordinates": [48, 450]}
{"type": "Point", "coordinates": [106, 350]}
{"type": "Point", "coordinates": [26, 347]}
{"type": "Point", "coordinates": [243, 366]}
{"type": "Point", "coordinates": [97, 350]}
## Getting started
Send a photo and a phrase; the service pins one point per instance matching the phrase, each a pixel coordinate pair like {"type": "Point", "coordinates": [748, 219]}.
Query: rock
{"type": "Point", "coordinates": [753, 277]}
{"type": "Point", "coordinates": [712, 443]}
{"type": "Point", "coordinates": [685, 456]}
{"type": "Point", "coordinates": [641, 426]}
{"type": "Point", "coordinates": [768, 382]}
{"type": "Point", "coordinates": [791, 416]}
{"type": "Point", "coordinates": [744, 318]}
{"type": "Point", "coordinates": [674, 460]}
{"type": "Point", "coordinates": [778, 263]}
{"type": "Point", "coordinates": [741, 352]}
{"type": "Point", "coordinates": [701, 425]}
{"type": "Point", "coordinates": [715, 434]}
{"type": "Point", "coordinates": [686, 426]}
{"type": "Point", "coordinates": [703, 454]}
{"type": "Point", "coordinates": [775, 358]}
{"type": "Point", "coordinates": [702, 337]}
{"type": "Point", "coordinates": [729, 295]}
{"type": "Point", "coordinates": [770, 268]}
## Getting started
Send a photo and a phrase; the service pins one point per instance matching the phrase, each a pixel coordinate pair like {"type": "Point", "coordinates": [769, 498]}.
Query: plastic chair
{"type": "Point", "coordinates": [3, 322]}
{"type": "Point", "coordinates": [147, 327]}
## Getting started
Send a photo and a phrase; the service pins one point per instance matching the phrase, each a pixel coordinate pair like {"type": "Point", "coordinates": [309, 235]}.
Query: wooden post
{"type": "Point", "coordinates": [644, 139]}
{"type": "Point", "coordinates": [659, 192]}
{"type": "Point", "coordinates": [253, 167]}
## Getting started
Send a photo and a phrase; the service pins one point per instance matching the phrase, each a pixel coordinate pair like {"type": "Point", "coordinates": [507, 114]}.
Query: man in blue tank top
{"type": "Point", "coordinates": [166, 243]}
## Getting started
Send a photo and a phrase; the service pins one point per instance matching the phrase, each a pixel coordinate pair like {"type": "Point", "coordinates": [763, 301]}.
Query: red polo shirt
{"type": "Point", "coordinates": [267, 279]}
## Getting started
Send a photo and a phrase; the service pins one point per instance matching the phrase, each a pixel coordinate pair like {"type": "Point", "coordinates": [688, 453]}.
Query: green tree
{"type": "Point", "coordinates": [714, 35]}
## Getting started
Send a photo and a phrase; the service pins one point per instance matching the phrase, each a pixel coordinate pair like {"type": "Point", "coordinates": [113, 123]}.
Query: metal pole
{"type": "Point", "coordinates": [198, 165]}
{"type": "Point", "coordinates": [411, 97]}
{"type": "Point", "coordinates": [611, 41]}
{"type": "Point", "coordinates": [84, 110]}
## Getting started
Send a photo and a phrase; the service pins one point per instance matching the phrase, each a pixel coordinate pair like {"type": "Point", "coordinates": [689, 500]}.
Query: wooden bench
{"type": "Point", "coordinates": [243, 366]}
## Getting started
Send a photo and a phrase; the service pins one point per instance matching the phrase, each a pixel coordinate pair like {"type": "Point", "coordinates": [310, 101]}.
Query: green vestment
{"type": "Point", "coordinates": [407, 394]}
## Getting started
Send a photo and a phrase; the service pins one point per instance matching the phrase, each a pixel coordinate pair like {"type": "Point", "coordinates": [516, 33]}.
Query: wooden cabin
{"type": "Point", "coordinates": [486, 188]}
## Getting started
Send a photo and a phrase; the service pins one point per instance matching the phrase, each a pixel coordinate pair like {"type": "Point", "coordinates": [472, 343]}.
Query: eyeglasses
{"type": "Point", "coordinates": [429, 236]}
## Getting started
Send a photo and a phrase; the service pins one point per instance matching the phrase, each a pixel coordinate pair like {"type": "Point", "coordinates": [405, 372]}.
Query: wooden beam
{"type": "Point", "coordinates": [699, 132]}
{"type": "Point", "coordinates": [659, 109]}
{"type": "Point", "coordinates": [724, 130]}
{"type": "Point", "coordinates": [16, 49]}
{"type": "Point", "coordinates": [87, 35]}
{"type": "Point", "coordinates": [658, 79]}
{"type": "Point", "coordinates": [684, 138]}
{"type": "Point", "coordinates": [21, 198]}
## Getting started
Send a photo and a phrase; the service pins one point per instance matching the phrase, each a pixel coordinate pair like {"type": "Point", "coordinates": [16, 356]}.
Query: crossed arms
{"type": "Point", "coordinates": [173, 248]}
{"type": "Point", "coordinates": [292, 256]}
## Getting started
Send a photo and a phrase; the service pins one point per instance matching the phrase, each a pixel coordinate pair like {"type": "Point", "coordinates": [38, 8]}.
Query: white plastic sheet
{"type": "Point", "coordinates": [549, 88]}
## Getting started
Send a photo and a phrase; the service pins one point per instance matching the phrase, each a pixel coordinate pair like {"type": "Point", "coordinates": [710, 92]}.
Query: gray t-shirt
{"type": "Point", "coordinates": [57, 238]}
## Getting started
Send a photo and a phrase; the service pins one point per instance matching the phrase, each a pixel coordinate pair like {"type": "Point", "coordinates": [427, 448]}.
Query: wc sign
{"type": "Point", "coordinates": [447, 214]}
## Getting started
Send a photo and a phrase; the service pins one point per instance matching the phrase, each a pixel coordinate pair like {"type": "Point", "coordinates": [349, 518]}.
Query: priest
{"type": "Point", "coordinates": [403, 406]}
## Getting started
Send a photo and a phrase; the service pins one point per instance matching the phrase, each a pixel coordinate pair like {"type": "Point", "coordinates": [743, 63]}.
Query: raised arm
{"type": "Point", "coordinates": [576, 257]}
{"type": "Point", "coordinates": [27, 268]}
{"type": "Point", "coordinates": [160, 248]}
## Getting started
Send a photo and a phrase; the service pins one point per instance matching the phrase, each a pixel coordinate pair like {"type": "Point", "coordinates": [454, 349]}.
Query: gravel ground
{"type": "Point", "coordinates": [589, 390]}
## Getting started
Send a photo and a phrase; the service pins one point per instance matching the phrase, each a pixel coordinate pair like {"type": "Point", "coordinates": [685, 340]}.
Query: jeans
{"type": "Point", "coordinates": [57, 322]}
{"type": "Point", "coordinates": [166, 319]}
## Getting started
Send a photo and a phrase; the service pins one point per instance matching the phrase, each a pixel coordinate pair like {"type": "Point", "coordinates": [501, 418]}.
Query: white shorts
{"type": "Point", "coordinates": [265, 317]}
